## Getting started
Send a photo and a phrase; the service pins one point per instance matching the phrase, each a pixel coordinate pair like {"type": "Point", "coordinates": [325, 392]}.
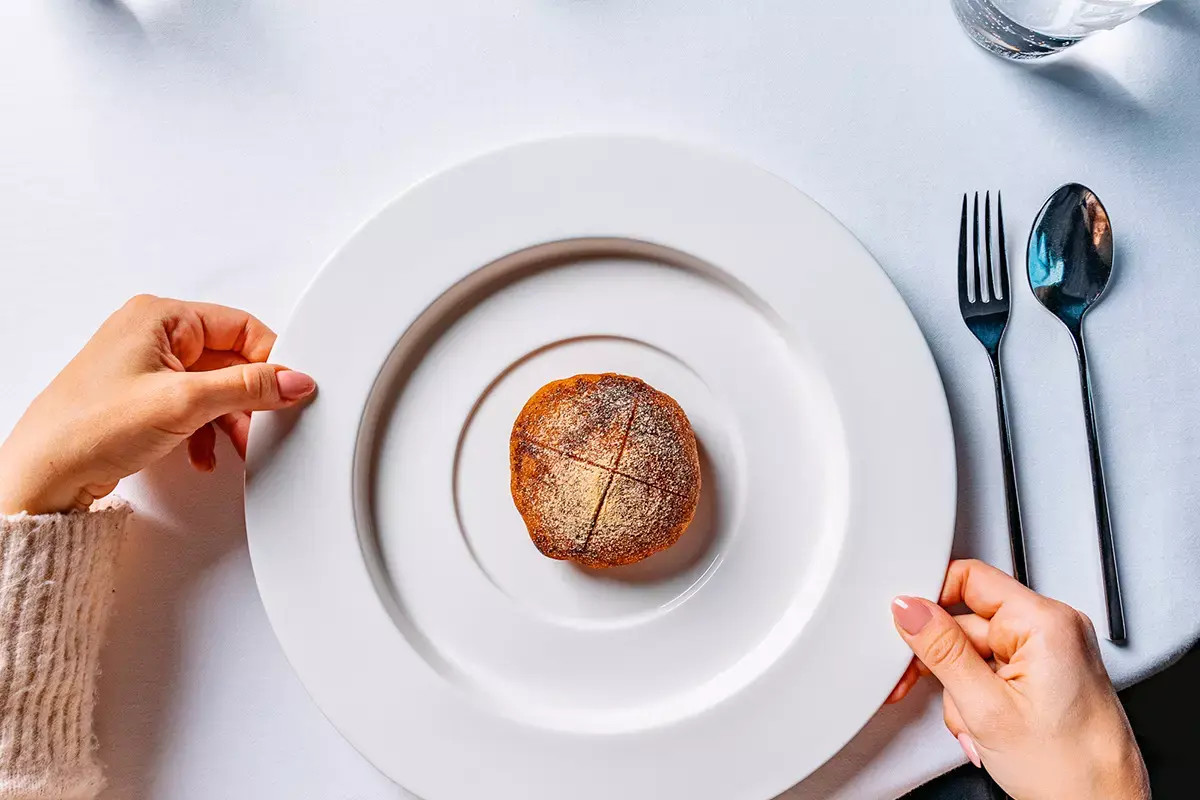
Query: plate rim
{"type": "Point", "coordinates": [270, 449]}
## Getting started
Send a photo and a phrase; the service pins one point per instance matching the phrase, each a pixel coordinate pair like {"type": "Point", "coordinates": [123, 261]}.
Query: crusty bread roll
{"type": "Point", "coordinates": [604, 469]}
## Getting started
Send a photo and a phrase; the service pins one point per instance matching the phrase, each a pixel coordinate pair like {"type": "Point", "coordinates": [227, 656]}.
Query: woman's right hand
{"type": "Point", "coordinates": [1026, 692]}
{"type": "Point", "coordinates": [157, 373]}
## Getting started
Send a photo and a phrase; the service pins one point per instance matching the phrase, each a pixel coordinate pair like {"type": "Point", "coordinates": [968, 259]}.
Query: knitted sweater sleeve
{"type": "Point", "coordinates": [56, 576]}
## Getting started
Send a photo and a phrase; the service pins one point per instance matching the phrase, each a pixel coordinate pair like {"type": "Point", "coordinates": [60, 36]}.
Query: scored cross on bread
{"type": "Point", "coordinates": [605, 469]}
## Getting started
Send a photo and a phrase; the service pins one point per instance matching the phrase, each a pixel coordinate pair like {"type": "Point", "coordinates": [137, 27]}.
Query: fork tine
{"type": "Point", "coordinates": [987, 241]}
{"type": "Point", "coordinates": [977, 283]}
{"type": "Point", "coordinates": [963, 298]}
{"type": "Point", "coordinates": [1003, 249]}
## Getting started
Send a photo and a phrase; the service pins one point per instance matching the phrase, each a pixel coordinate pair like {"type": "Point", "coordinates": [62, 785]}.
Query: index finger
{"type": "Point", "coordinates": [216, 327]}
{"type": "Point", "coordinates": [982, 587]}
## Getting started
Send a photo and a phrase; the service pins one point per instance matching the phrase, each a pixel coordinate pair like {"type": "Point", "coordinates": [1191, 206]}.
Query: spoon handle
{"type": "Point", "coordinates": [1016, 535]}
{"type": "Point", "coordinates": [1108, 553]}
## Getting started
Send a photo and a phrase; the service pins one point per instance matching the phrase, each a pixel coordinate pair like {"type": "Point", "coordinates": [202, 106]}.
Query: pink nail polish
{"type": "Point", "coordinates": [968, 745]}
{"type": "Point", "coordinates": [911, 614]}
{"type": "Point", "coordinates": [294, 385]}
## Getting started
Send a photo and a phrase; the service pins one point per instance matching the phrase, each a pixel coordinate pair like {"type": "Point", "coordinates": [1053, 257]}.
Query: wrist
{"type": "Point", "coordinates": [1120, 770]}
{"type": "Point", "coordinates": [16, 499]}
{"type": "Point", "coordinates": [24, 488]}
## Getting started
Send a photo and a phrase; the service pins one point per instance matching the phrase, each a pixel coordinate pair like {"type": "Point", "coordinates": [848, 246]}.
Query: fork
{"type": "Point", "coordinates": [985, 305]}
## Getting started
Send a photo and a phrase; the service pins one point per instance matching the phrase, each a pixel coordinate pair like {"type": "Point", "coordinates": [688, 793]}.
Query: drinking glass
{"type": "Point", "coordinates": [1024, 29]}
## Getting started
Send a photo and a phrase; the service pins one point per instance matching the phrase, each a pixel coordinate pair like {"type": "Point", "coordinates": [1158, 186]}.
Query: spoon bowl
{"type": "Point", "coordinates": [1070, 253]}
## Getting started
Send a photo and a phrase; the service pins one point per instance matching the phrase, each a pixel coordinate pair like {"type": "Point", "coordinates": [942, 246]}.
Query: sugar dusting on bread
{"type": "Point", "coordinates": [584, 417]}
{"type": "Point", "coordinates": [636, 519]}
{"type": "Point", "coordinates": [564, 492]}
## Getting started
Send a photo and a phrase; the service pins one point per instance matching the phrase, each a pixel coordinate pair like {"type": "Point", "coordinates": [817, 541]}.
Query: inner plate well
{"type": "Point", "coordinates": [548, 641]}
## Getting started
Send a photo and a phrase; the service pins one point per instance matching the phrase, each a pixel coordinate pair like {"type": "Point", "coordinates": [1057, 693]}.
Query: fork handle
{"type": "Point", "coordinates": [1016, 533]}
{"type": "Point", "coordinates": [1108, 552]}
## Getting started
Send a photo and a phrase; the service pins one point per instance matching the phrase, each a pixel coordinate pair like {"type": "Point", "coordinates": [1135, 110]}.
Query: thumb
{"type": "Point", "coordinates": [943, 647]}
{"type": "Point", "coordinates": [246, 387]}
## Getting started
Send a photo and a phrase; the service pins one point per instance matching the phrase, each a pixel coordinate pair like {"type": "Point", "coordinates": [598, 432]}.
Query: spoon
{"type": "Point", "coordinates": [1070, 260]}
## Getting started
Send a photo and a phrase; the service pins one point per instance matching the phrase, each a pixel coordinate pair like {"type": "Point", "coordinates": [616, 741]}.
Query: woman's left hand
{"type": "Point", "coordinates": [157, 372]}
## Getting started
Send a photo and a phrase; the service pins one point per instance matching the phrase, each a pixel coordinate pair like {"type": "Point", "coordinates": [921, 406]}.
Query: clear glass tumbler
{"type": "Point", "coordinates": [1025, 29]}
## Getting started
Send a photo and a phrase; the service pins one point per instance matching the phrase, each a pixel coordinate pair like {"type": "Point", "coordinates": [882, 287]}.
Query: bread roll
{"type": "Point", "coordinates": [605, 469]}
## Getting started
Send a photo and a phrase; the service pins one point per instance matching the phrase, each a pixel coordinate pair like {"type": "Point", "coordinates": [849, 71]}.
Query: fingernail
{"type": "Point", "coordinates": [911, 614]}
{"type": "Point", "coordinates": [294, 385]}
{"type": "Point", "coordinates": [968, 745]}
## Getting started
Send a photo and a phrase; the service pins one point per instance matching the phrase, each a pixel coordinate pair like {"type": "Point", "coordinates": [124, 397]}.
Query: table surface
{"type": "Point", "coordinates": [222, 149]}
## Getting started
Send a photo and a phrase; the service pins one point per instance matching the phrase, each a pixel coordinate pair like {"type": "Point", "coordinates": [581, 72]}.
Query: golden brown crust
{"type": "Point", "coordinates": [605, 469]}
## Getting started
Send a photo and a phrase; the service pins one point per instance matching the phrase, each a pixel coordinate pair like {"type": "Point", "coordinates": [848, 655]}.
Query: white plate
{"type": "Point", "coordinates": [399, 576]}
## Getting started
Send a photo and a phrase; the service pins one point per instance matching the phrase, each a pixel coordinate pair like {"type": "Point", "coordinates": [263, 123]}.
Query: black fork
{"type": "Point", "coordinates": [983, 299]}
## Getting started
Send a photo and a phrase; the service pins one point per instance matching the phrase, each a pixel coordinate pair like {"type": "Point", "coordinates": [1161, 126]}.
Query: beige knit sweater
{"type": "Point", "coordinates": [56, 585]}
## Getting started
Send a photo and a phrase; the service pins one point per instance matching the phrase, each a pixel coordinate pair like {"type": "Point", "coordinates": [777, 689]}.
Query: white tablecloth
{"type": "Point", "coordinates": [221, 149]}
